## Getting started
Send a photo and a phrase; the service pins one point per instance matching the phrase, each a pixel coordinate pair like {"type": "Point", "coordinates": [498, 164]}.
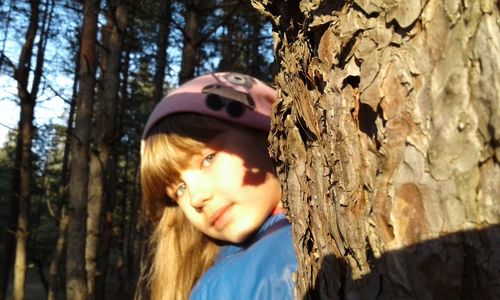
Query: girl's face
{"type": "Point", "coordinates": [228, 190]}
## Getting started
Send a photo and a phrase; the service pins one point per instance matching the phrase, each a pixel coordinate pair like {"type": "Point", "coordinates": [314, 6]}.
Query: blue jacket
{"type": "Point", "coordinates": [260, 268]}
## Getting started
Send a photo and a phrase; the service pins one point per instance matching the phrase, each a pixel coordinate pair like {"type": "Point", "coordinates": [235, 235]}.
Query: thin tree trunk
{"type": "Point", "coordinates": [161, 50]}
{"type": "Point", "coordinates": [387, 141]}
{"type": "Point", "coordinates": [138, 237]}
{"type": "Point", "coordinates": [231, 47]}
{"type": "Point", "coordinates": [25, 133]}
{"type": "Point", "coordinates": [26, 170]}
{"type": "Point", "coordinates": [123, 262]}
{"type": "Point", "coordinates": [38, 262]}
{"type": "Point", "coordinates": [255, 59]}
{"type": "Point", "coordinates": [4, 42]}
{"type": "Point", "coordinates": [62, 214]}
{"type": "Point", "coordinates": [139, 232]}
{"type": "Point", "coordinates": [20, 264]}
{"type": "Point", "coordinates": [105, 116]}
{"type": "Point", "coordinates": [58, 253]}
{"type": "Point", "coordinates": [126, 280]}
{"type": "Point", "coordinates": [192, 36]}
{"type": "Point", "coordinates": [76, 286]}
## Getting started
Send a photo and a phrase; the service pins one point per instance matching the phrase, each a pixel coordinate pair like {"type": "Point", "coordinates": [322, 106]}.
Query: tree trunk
{"type": "Point", "coordinates": [138, 236]}
{"type": "Point", "coordinates": [76, 286]}
{"type": "Point", "coordinates": [20, 264]}
{"type": "Point", "coordinates": [387, 140]}
{"type": "Point", "coordinates": [232, 40]}
{"type": "Point", "coordinates": [125, 263]}
{"type": "Point", "coordinates": [7, 17]}
{"type": "Point", "coordinates": [242, 39]}
{"type": "Point", "coordinates": [58, 252]}
{"type": "Point", "coordinates": [192, 36]}
{"type": "Point", "coordinates": [105, 126]}
{"type": "Point", "coordinates": [161, 51]}
{"type": "Point", "coordinates": [25, 137]}
{"type": "Point", "coordinates": [62, 214]}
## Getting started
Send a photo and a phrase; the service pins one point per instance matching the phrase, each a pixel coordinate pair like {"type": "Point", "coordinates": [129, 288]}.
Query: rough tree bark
{"type": "Point", "coordinates": [76, 286]}
{"type": "Point", "coordinates": [387, 138]}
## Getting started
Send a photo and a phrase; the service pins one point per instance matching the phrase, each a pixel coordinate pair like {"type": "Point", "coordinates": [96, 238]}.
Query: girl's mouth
{"type": "Point", "coordinates": [221, 217]}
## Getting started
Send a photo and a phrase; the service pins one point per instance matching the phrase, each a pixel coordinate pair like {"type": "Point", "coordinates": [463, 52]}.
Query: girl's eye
{"type": "Point", "coordinates": [180, 191]}
{"type": "Point", "coordinates": [207, 161]}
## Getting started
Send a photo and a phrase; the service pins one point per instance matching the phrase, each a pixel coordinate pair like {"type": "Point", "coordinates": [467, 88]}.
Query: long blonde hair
{"type": "Point", "coordinates": [180, 253]}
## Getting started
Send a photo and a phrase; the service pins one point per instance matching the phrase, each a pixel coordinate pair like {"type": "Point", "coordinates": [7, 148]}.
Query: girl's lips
{"type": "Point", "coordinates": [220, 218]}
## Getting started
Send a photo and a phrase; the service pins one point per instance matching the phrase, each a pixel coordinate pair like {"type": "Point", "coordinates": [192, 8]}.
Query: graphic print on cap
{"type": "Point", "coordinates": [221, 96]}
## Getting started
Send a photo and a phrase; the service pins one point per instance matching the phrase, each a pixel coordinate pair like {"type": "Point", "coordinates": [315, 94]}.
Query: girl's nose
{"type": "Point", "coordinates": [201, 191]}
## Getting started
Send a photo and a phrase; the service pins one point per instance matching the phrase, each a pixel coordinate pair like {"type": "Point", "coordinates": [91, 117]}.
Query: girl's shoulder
{"type": "Point", "coordinates": [259, 269]}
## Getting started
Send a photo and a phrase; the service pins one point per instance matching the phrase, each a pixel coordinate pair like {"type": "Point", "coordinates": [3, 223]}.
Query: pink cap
{"type": "Point", "coordinates": [233, 97]}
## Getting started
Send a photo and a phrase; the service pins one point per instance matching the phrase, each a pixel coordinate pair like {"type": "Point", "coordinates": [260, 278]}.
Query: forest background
{"type": "Point", "coordinates": [50, 61]}
{"type": "Point", "coordinates": [386, 138]}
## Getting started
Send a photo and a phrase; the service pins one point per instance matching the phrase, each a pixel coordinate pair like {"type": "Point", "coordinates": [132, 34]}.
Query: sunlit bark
{"type": "Point", "coordinates": [387, 140]}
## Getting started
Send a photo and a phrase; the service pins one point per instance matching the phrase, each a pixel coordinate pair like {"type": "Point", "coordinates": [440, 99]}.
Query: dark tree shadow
{"type": "Point", "coordinates": [461, 265]}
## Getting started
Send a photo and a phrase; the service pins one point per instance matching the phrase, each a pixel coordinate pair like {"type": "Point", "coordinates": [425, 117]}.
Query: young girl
{"type": "Point", "coordinates": [209, 186]}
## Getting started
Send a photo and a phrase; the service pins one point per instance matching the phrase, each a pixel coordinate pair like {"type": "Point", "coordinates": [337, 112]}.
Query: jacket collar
{"type": "Point", "coordinates": [271, 224]}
